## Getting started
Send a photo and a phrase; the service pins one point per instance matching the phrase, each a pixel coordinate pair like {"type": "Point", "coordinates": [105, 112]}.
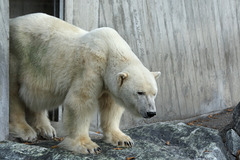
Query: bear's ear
{"type": "Point", "coordinates": [121, 77]}
{"type": "Point", "coordinates": [156, 74]}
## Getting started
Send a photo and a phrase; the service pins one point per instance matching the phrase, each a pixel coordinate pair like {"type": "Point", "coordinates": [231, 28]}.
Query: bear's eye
{"type": "Point", "coordinates": [141, 93]}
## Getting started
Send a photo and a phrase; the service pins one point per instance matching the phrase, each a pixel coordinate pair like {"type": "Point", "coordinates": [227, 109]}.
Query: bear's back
{"type": "Point", "coordinates": [40, 22]}
{"type": "Point", "coordinates": [33, 34]}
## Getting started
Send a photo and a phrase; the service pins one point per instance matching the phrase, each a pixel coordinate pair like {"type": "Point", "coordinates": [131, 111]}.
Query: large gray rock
{"type": "Point", "coordinates": [233, 142]}
{"type": "Point", "coordinates": [155, 141]}
{"type": "Point", "coordinates": [236, 119]}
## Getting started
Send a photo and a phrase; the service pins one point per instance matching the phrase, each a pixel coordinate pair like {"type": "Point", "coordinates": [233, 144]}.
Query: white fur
{"type": "Point", "coordinates": [53, 62]}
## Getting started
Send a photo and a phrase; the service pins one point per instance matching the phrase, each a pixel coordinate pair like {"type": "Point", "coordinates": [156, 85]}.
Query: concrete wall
{"type": "Point", "coordinates": [4, 56]}
{"type": "Point", "coordinates": [195, 44]}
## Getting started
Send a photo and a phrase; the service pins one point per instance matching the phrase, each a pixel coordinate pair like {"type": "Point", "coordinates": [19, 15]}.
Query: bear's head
{"type": "Point", "coordinates": [137, 89]}
{"type": "Point", "coordinates": [130, 83]}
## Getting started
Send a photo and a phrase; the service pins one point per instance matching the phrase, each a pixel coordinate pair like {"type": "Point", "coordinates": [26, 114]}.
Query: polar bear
{"type": "Point", "coordinates": [53, 63]}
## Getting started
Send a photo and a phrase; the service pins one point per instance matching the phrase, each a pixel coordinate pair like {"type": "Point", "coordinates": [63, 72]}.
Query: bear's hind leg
{"type": "Point", "coordinates": [40, 122]}
{"type": "Point", "coordinates": [18, 126]}
{"type": "Point", "coordinates": [111, 114]}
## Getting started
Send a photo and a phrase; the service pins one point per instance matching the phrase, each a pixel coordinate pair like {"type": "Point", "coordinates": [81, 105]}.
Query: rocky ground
{"type": "Point", "coordinates": [155, 141]}
{"type": "Point", "coordinates": [215, 121]}
{"type": "Point", "coordinates": [227, 123]}
{"type": "Point", "coordinates": [197, 139]}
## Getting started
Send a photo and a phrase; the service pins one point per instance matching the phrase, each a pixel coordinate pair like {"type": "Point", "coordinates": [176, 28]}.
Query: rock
{"type": "Point", "coordinates": [223, 132]}
{"type": "Point", "coordinates": [236, 119]}
{"type": "Point", "coordinates": [232, 142]}
{"type": "Point", "coordinates": [185, 142]}
{"type": "Point", "coordinates": [154, 141]}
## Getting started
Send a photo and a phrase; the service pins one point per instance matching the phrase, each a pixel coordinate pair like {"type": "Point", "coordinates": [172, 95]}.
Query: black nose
{"type": "Point", "coordinates": [151, 114]}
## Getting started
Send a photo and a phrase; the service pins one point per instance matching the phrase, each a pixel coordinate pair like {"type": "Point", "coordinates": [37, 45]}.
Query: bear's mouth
{"type": "Point", "coordinates": [142, 113]}
{"type": "Point", "coordinates": [148, 114]}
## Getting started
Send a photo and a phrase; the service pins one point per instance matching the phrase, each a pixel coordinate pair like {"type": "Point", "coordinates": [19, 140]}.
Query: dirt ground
{"type": "Point", "coordinates": [216, 121]}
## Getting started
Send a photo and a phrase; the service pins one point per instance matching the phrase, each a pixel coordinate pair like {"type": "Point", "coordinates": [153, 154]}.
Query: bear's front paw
{"type": "Point", "coordinates": [82, 145]}
{"type": "Point", "coordinates": [118, 138]}
{"type": "Point", "coordinates": [46, 131]}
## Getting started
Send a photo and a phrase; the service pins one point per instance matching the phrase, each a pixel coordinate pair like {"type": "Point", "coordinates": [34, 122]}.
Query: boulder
{"type": "Point", "coordinates": [232, 142]}
{"type": "Point", "coordinates": [154, 141]}
{"type": "Point", "coordinates": [236, 119]}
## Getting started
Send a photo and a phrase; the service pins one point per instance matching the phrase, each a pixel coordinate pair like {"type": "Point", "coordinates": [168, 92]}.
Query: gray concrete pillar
{"type": "Point", "coordinates": [4, 68]}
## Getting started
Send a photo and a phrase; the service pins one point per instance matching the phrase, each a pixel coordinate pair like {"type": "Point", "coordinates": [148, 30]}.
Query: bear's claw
{"type": "Point", "coordinates": [125, 144]}
{"type": "Point", "coordinates": [93, 151]}
{"type": "Point", "coordinates": [98, 150]}
{"type": "Point", "coordinates": [129, 144]}
{"type": "Point", "coordinates": [46, 131]}
{"type": "Point", "coordinates": [81, 145]}
{"type": "Point", "coordinates": [118, 139]}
